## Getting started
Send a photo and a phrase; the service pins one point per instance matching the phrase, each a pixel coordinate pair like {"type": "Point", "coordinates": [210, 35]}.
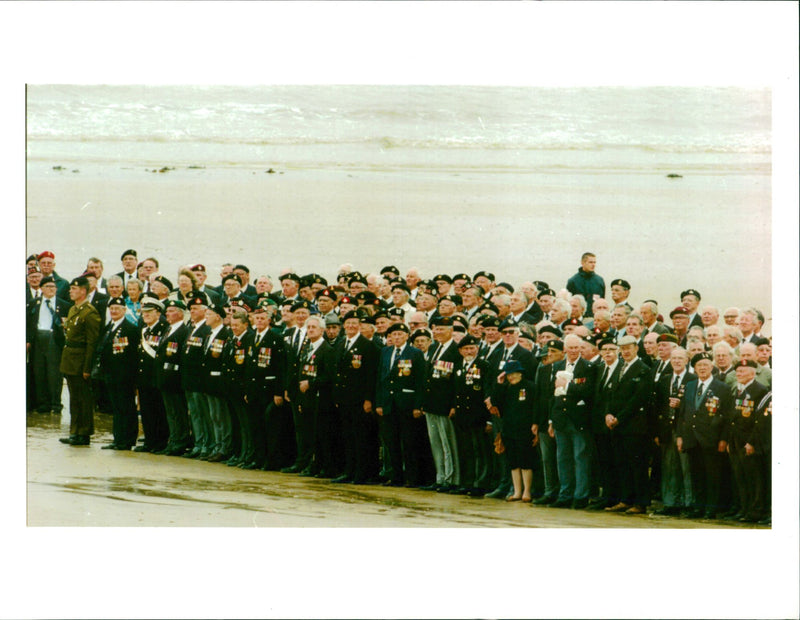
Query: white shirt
{"type": "Point", "coordinates": [45, 317]}
{"type": "Point", "coordinates": [174, 327]}
{"type": "Point", "coordinates": [213, 334]}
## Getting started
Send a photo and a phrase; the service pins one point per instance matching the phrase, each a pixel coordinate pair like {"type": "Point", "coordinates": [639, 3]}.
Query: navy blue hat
{"type": "Point", "coordinates": [290, 276]}
{"type": "Point", "coordinates": [128, 253]}
{"type": "Point", "coordinates": [508, 323]}
{"type": "Point", "coordinates": [166, 282]}
{"type": "Point", "coordinates": [390, 269]}
{"type": "Point", "coordinates": [623, 283]}
{"type": "Point", "coordinates": [218, 309]}
{"type": "Point", "coordinates": [398, 327]}
{"type": "Point", "coordinates": [513, 366]}
{"type": "Point", "coordinates": [232, 276]}
{"type": "Point", "coordinates": [116, 301]}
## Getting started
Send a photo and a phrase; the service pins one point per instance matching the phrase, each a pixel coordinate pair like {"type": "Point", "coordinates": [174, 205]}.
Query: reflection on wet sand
{"type": "Point", "coordinates": [71, 486]}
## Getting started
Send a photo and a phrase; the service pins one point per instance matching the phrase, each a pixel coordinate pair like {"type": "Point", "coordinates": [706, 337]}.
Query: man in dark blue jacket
{"type": "Point", "coordinates": [587, 282]}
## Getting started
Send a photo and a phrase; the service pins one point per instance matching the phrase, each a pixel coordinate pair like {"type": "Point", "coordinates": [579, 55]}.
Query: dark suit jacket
{"type": "Point", "coordinates": [100, 303]}
{"type": "Point", "coordinates": [192, 360]}
{"type": "Point", "coordinates": [439, 381]}
{"type": "Point", "coordinates": [602, 397]}
{"type": "Point", "coordinates": [116, 353]}
{"type": "Point", "coordinates": [543, 395]}
{"type": "Point", "coordinates": [356, 373]}
{"type": "Point", "coordinates": [702, 426]}
{"type": "Point", "coordinates": [145, 363]}
{"type": "Point", "coordinates": [168, 359]}
{"type": "Point", "coordinates": [401, 386]}
{"type": "Point", "coordinates": [576, 404]}
{"type": "Point", "coordinates": [742, 427]}
{"type": "Point", "coordinates": [628, 399]}
{"type": "Point", "coordinates": [468, 386]}
{"type": "Point", "coordinates": [214, 362]}
{"type": "Point", "coordinates": [234, 357]}
{"type": "Point", "coordinates": [61, 310]}
{"type": "Point", "coordinates": [666, 418]}
{"type": "Point", "coordinates": [265, 367]}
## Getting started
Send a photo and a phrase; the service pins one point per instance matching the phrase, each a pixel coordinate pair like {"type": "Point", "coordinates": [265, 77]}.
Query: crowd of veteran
{"type": "Point", "coordinates": [460, 384]}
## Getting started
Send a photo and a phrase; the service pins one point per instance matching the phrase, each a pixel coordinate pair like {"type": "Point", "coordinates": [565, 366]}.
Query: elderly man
{"type": "Point", "coordinates": [676, 484]}
{"type": "Point", "coordinates": [649, 314]}
{"type": "Point", "coordinates": [702, 416]}
{"type": "Point", "coordinates": [129, 261]}
{"type": "Point", "coordinates": [731, 316]}
{"type": "Point", "coordinates": [412, 279]}
{"type": "Point", "coordinates": [749, 351]}
{"type": "Point", "coordinates": [620, 290]}
{"type": "Point", "coordinates": [45, 342]}
{"type": "Point", "coordinates": [743, 446]}
{"type": "Point", "coordinates": [606, 478]}
{"type": "Point", "coordinates": [733, 336]}
{"type": "Point", "coordinates": [151, 405]}
{"type": "Point", "coordinates": [571, 424]}
{"type": "Point", "coordinates": [577, 307]}
{"type": "Point", "coordinates": [690, 300]}
{"type": "Point", "coordinates": [290, 286]}
{"type": "Point", "coordinates": [47, 264]}
{"type": "Point", "coordinates": [212, 296]}
{"type": "Point", "coordinates": [168, 379]}
{"type": "Point", "coordinates": [749, 324]}
{"type": "Point", "coordinates": [627, 421]}
{"type": "Point", "coordinates": [81, 330]}
{"type": "Point", "coordinates": [192, 378]}
{"type": "Point", "coordinates": [723, 362]}
{"type": "Point", "coordinates": [709, 316]}
{"type": "Point", "coordinates": [543, 396]}
{"type": "Point", "coordinates": [680, 323]}
{"type": "Point", "coordinates": [713, 335]}
{"type": "Point", "coordinates": [438, 405]}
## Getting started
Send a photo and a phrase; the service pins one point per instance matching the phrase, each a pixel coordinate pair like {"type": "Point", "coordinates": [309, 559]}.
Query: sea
{"type": "Point", "coordinates": [669, 186]}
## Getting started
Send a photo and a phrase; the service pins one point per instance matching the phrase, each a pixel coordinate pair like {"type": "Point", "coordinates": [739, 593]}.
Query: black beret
{"type": "Point", "coordinates": [469, 341]}
{"type": "Point", "coordinates": [128, 253]}
{"type": "Point", "coordinates": [174, 303]}
{"type": "Point", "coordinates": [443, 277]}
{"type": "Point", "coordinates": [365, 297]}
{"type": "Point", "coordinates": [541, 285]}
{"type": "Point", "coordinates": [420, 332]}
{"type": "Point", "coordinates": [358, 278]}
{"type": "Point", "coordinates": [216, 308]}
{"type": "Point", "coordinates": [47, 280]}
{"type": "Point", "coordinates": [163, 280]}
{"type": "Point", "coordinates": [398, 327]}
{"type": "Point", "coordinates": [242, 268]}
{"type": "Point", "coordinates": [198, 267]}
{"type": "Point", "coordinates": [620, 282]}
{"type": "Point", "coordinates": [547, 291]}
{"type": "Point", "coordinates": [396, 312]}
{"type": "Point", "coordinates": [461, 276]}
{"type": "Point", "coordinates": [351, 315]}
{"type": "Point", "coordinates": [744, 363]}
{"type": "Point", "coordinates": [690, 291]}
{"type": "Point", "coordinates": [443, 321]}
{"type": "Point", "coordinates": [346, 299]}
{"type": "Point", "coordinates": [116, 301]}
{"type": "Point", "coordinates": [390, 269]}
{"type": "Point", "coordinates": [488, 305]}
{"type": "Point", "coordinates": [380, 314]}
{"type": "Point", "coordinates": [429, 284]}
{"type": "Point", "coordinates": [508, 323]}
{"type": "Point", "coordinates": [456, 299]}
{"type": "Point", "coordinates": [604, 341]}
{"type": "Point", "coordinates": [290, 276]}
{"type": "Point", "coordinates": [326, 292]}
{"type": "Point", "coordinates": [489, 276]}
{"type": "Point", "coordinates": [554, 344]}
{"type": "Point", "coordinates": [79, 281]}
{"type": "Point", "coordinates": [196, 301]}
{"type": "Point", "coordinates": [403, 286]}
{"type": "Point", "coordinates": [705, 355]}
{"type": "Point", "coordinates": [490, 321]}
{"type": "Point", "coordinates": [506, 286]}
{"type": "Point", "coordinates": [573, 321]}
{"type": "Point", "coordinates": [759, 341]}
{"type": "Point", "coordinates": [551, 329]}
{"type": "Point", "coordinates": [302, 303]}
{"type": "Point", "coordinates": [460, 320]}
{"type": "Point", "coordinates": [315, 278]}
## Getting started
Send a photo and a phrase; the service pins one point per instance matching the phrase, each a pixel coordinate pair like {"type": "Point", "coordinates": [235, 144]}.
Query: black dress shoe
{"type": "Point", "coordinates": [562, 503]}
{"type": "Point", "coordinates": [109, 446]}
{"type": "Point", "coordinates": [580, 504]}
{"type": "Point", "coordinates": [80, 440]}
{"type": "Point", "coordinates": [67, 440]}
{"type": "Point", "coordinates": [445, 488]}
{"type": "Point", "coordinates": [123, 448]}
{"type": "Point", "coordinates": [392, 483]}
{"type": "Point", "coordinates": [142, 449]}
{"type": "Point", "coordinates": [343, 479]}
{"type": "Point", "coordinates": [474, 492]}
{"type": "Point", "coordinates": [459, 491]}
{"type": "Point", "coordinates": [429, 487]}
{"type": "Point", "coordinates": [693, 513]}
{"type": "Point", "coordinates": [668, 511]}
{"type": "Point", "coordinates": [497, 494]}
{"type": "Point", "coordinates": [543, 501]}
{"type": "Point", "coordinates": [307, 473]}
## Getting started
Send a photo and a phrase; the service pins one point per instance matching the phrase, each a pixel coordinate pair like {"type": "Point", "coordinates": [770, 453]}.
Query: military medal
{"type": "Point", "coordinates": [310, 370]}
{"type": "Point", "coordinates": [404, 368]}
{"type": "Point", "coordinates": [216, 347]}
{"type": "Point", "coordinates": [238, 357]}
{"type": "Point", "coordinates": [712, 404]}
{"type": "Point", "coordinates": [522, 394]}
{"type": "Point", "coordinates": [264, 356]}
{"type": "Point", "coordinates": [172, 348]}
{"type": "Point", "coordinates": [356, 361]}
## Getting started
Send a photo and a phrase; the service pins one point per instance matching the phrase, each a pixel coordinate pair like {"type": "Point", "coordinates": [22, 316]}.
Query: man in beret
{"type": "Point", "coordinates": [680, 324]}
{"type": "Point", "coordinates": [214, 385]}
{"type": "Point", "coordinates": [620, 290]}
{"type": "Point", "coordinates": [192, 378]}
{"type": "Point", "coordinates": [44, 342]}
{"type": "Point", "coordinates": [448, 305]}
{"type": "Point", "coordinates": [232, 287]}
{"type": "Point", "coordinates": [398, 399]}
{"type": "Point", "coordinates": [47, 264]}
{"type": "Point", "coordinates": [543, 396]}
{"type": "Point", "coordinates": [248, 290]}
{"type": "Point", "coordinates": [400, 297]}
{"type": "Point", "coordinates": [168, 379]}
{"type": "Point", "coordinates": [749, 351]}
{"type": "Point", "coordinates": [587, 282]}
{"type": "Point", "coordinates": [129, 261]}
{"type": "Point", "coordinates": [438, 405]}
{"type": "Point", "coordinates": [470, 421]}
{"type": "Point", "coordinates": [290, 286]}
{"type": "Point", "coordinates": [160, 286]}
{"type": "Point", "coordinates": [234, 358]}
{"type": "Point", "coordinates": [326, 302]}
{"type": "Point", "coordinates": [199, 271]}
{"type": "Point", "coordinates": [627, 420]}
{"type": "Point", "coordinates": [690, 300]}
{"type": "Point", "coordinates": [116, 357]}
{"type": "Point", "coordinates": [485, 280]}
{"type": "Point", "coordinates": [606, 478]}
{"type": "Point", "coordinates": [333, 330]}
{"type": "Point", "coordinates": [264, 379]}
{"type": "Point", "coordinates": [33, 282]}
{"type": "Point", "coordinates": [354, 386]}
{"type": "Point", "coordinates": [669, 396]}
{"type": "Point", "coordinates": [743, 446]}
{"type": "Point", "coordinates": [443, 284]}
{"type": "Point", "coordinates": [81, 330]}
{"type": "Point", "coordinates": [702, 416]}
{"type": "Point", "coordinates": [151, 404]}
{"type": "Point", "coordinates": [461, 282]}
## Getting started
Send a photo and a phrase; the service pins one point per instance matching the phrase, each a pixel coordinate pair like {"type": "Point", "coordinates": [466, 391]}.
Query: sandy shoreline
{"type": "Point", "coordinates": [660, 234]}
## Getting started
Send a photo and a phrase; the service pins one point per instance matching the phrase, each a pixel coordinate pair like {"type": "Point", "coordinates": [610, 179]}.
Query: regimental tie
{"type": "Point", "coordinates": [699, 396]}
{"type": "Point", "coordinates": [675, 383]}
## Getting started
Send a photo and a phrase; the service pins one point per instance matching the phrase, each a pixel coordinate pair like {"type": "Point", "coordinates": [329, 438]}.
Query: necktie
{"type": "Point", "coordinates": [395, 353]}
{"type": "Point", "coordinates": [305, 350]}
{"type": "Point", "coordinates": [49, 307]}
{"type": "Point", "coordinates": [675, 383]}
{"type": "Point", "coordinates": [506, 354]}
{"type": "Point", "coordinates": [604, 377]}
{"type": "Point", "coordinates": [699, 397]}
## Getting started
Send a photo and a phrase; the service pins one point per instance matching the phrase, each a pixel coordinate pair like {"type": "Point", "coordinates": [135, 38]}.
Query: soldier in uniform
{"type": "Point", "coordinates": [763, 425]}
{"type": "Point", "coordinates": [81, 330]}
{"type": "Point", "coordinates": [168, 379]}
{"type": "Point", "coordinates": [192, 376]}
{"type": "Point", "coordinates": [116, 356]}
{"type": "Point", "coordinates": [151, 404]}
{"type": "Point", "coordinates": [354, 398]}
{"type": "Point", "coordinates": [470, 421]}
{"type": "Point", "coordinates": [264, 370]}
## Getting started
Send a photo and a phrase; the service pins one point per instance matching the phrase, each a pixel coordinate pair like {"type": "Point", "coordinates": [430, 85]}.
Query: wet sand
{"type": "Point", "coordinates": [87, 486]}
